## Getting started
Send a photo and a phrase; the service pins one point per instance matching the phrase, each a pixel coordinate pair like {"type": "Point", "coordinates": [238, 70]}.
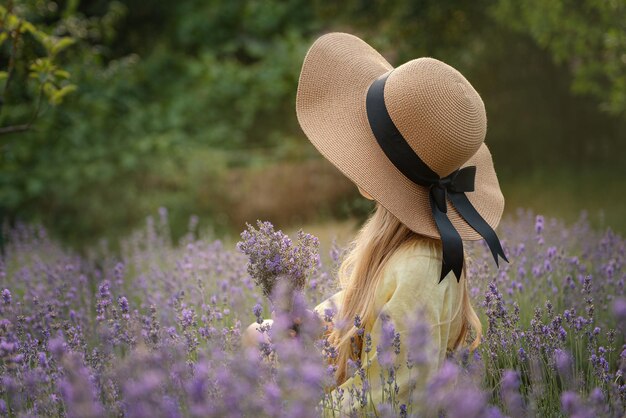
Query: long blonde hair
{"type": "Point", "coordinates": [359, 275]}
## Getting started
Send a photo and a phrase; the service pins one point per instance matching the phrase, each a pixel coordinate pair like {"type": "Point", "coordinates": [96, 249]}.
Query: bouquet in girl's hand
{"type": "Point", "coordinates": [274, 258]}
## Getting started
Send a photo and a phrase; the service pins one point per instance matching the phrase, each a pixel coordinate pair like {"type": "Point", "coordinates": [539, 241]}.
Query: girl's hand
{"type": "Point", "coordinates": [297, 322]}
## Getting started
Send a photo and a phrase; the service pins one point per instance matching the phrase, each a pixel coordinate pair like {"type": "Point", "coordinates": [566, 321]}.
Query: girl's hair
{"type": "Point", "coordinates": [359, 275]}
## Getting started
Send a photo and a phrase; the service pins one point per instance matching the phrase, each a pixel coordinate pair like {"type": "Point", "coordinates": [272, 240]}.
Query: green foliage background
{"type": "Point", "coordinates": [173, 97]}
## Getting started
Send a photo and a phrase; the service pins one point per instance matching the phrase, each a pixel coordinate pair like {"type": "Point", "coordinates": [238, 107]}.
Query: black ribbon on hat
{"type": "Point", "coordinates": [453, 186]}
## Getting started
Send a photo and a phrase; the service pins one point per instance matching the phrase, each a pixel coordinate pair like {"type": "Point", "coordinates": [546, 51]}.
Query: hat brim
{"type": "Point", "coordinates": [330, 105]}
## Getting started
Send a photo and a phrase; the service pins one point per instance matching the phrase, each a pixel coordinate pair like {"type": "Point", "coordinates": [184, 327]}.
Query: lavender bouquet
{"type": "Point", "coordinates": [273, 259]}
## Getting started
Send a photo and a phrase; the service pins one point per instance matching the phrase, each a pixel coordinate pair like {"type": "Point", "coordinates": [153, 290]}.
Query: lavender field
{"type": "Point", "coordinates": [157, 331]}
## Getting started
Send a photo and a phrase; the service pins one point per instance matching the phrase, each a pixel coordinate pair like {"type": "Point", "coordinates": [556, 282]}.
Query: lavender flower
{"type": "Point", "coordinates": [258, 313]}
{"type": "Point", "coordinates": [539, 224]}
{"type": "Point", "coordinates": [272, 255]}
{"type": "Point", "coordinates": [510, 394]}
{"type": "Point", "coordinates": [104, 300]}
{"type": "Point", "coordinates": [72, 343]}
{"type": "Point", "coordinates": [6, 297]}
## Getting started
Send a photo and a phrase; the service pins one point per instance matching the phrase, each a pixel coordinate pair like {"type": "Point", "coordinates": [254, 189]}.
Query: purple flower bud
{"type": "Point", "coordinates": [539, 222]}
{"type": "Point", "coordinates": [619, 310]}
{"type": "Point", "coordinates": [570, 403]}
{"type": "Point", "coordinates": [586, 284]}
{"type": "Point", "coordinates": [57, 346]}
{"type": "Point", "coordinates": [103, 290]}
{"type": "Point", "coordinates": [43, 360]}
{"type": "Point", "coordinates": [510, 380]}
{"type": "Point", "coordinates": [171, 331]}
{"type": "Point", "coordinates": [334, 252]}
{"type": "Point", "coordinates": [567, 315]}
{"type": "Point", "coordinates": [258, 313]}
{"type": "Point", "coordinates": [118, 273]}
{"type": "Point", "coordinates": [103, 300]}
{"type": "Point", "coordinates": [536, 271]}
{"type": "Point", "coordinates": [6, 348]}
{"type": "Point", "coordinates": [187, 317]}
{"type": "Point", "coordinates": [547, 265]}
{"type": "Point", "coordinates": [596, 396]}
{"type": "Point", "coordinates": [563, 363]}
{"type": "Point", "coordinates": [123, 303]}
{"type": "Point", "coordinates": [329, 314]}
{"type": "Point", "coordinates": [6, 297]}
{"type": "Point", "coordinates": [163, 214]}
{"type": "Point", "coordinates": [522, 354]}
{"type": "Point", "coordinates": [368, 343]}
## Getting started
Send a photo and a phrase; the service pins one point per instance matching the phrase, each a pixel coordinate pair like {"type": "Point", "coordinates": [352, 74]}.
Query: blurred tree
{"type": "Point", "coordinates": [50, 81]}
{"type": "Point", "coordinates": [38, 174]}
{"type": "Point", "coordinates": [589, 36]}
{"type": "Point", "coordinates": [172, 94]}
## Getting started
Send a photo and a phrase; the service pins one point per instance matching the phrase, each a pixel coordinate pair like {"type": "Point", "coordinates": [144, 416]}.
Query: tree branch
{"type": "Point", "coordinates": [11, 66]}
{"type": "Point", "coordinates": [14, 128]}
{"type": "Point", "coordinates": [25, 127]}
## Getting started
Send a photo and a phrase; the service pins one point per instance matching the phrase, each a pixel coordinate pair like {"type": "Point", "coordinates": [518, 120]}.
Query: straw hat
{"type": "Point", "coordinates": [436, 110]}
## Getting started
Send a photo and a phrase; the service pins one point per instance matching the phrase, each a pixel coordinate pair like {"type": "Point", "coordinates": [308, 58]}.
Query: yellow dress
{"type": "Point", "coordinates": [409, 282]}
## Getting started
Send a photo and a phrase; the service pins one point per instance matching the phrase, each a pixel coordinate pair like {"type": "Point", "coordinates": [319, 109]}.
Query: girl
{"type": "Point", "coordinates": [412, 139]}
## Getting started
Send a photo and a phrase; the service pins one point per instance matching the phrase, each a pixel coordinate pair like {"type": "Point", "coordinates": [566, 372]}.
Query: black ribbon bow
{"type": "Point", "coordinates": [452, 187]}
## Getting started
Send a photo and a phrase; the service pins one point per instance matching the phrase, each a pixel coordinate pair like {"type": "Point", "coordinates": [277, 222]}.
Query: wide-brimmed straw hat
{"type": "Point", "coordinates": [436, 111]}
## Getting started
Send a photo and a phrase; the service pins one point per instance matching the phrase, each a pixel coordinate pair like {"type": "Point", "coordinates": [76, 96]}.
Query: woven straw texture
{"type": "Point", "coordinates": [436, 109]}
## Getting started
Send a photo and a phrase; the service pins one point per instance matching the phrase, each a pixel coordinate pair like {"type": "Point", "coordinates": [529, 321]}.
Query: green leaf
{"type": "Point", "coordinates": [12, 22]}
{"type": "Point", "coordinates": [57, 96]}
{"type": "Point", "coordinates": [49, 90]}
{"type": "Point", "coordinates": [42, 66]}
{"type": "Point", "coordinates": [61, 44]}
{"type": "Point", "coordinates": [3, 75]}
{"type": "Point", "coordinates": [41, 36]}
{"type": "Point", "coordinates": [28, 27]}
{"type": "Point", "coordinates": [62, 74]}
